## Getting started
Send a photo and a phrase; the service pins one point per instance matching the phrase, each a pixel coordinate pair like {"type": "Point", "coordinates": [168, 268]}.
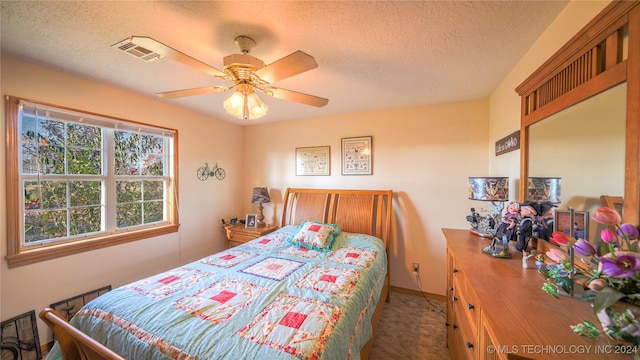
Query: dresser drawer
{"type": "Point", "coordinates": [239, 237]}
{"type": "Point", "coordinates": [451, 265]}
{"type": "Point", "coordinates": [454, 336]}
{"type": "Point", "coordinates": [466, 302]}
{"type": "Point", "coordinates": [231, 243]}
{"type": "Point", "coordinates": [468, 340]}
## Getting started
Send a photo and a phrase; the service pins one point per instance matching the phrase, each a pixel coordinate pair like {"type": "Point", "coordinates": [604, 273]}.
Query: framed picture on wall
{"type": "Point", "coordinates": [357, 156]}
{"type": "Point", "coordinates": [562, 223]}
{"type": "Point", "coordinates": [251, 221]}
{"type": "Point", "coordinates": [313, 160]}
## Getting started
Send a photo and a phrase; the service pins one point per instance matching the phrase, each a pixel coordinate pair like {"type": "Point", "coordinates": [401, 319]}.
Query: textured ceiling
{"type": "Point", "coordinates": [372, 55]}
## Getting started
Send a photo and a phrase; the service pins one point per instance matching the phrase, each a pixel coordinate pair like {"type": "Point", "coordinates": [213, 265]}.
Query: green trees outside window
{"type": "Point", "coordinates": [83, 179]}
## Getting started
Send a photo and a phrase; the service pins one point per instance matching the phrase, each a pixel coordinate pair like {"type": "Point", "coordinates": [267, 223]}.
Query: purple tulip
{"type": "Point", "coordinates": [608, 236]}
{"type": "Point", "coordinates": [622, 266]}
{"type": "Point", "coordinates": [628, 231]}
{"type": "Point", "coordinates": [584, 248]}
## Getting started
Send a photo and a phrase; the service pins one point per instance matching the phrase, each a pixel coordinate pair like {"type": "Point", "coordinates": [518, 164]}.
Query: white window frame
{"type": "Point", "coordinates": [19, 253]}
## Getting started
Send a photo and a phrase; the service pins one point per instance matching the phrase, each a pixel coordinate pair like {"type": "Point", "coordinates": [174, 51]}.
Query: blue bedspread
{"type": "Point", "coordinates": [266, 299]}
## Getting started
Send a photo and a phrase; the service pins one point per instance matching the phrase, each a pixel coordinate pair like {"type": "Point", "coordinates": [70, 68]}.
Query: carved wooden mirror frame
{"type": "Point", "coordinates": [591, 62]}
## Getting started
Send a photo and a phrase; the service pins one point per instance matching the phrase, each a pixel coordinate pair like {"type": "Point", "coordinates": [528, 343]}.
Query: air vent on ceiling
{"type": "Point", "coordinates": [143, 53]}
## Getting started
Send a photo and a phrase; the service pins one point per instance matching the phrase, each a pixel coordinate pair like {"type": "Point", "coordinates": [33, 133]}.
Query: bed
{"type": "Point", "coordinates": [296, 293]}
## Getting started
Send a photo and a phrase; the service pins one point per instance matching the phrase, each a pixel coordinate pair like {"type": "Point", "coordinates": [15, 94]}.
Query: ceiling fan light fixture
{"type": "Point", "coordinates": [255, 106]}
{"type": "Point", "coordinates": [245, 106]}
{"type": "Point", "coordinates": [243, 70]}
{"type": "Point", "coordinates": [234, 104]}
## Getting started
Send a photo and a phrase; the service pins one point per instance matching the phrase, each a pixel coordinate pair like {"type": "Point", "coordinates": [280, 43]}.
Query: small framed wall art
{"type": "Point", "coordinates": [357, 156]}
{"type": "Point", "coordinates": [313, 160]}
{"type": "Point", "coordinates": [251, 221]}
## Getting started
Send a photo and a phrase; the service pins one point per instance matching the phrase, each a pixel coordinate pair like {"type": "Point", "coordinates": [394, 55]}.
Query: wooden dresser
{"type": "Point", "coordinates": [497, 310]}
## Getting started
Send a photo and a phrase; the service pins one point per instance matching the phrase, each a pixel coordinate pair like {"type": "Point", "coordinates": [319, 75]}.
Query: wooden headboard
{"type": "Point", "coordinates": [357, 211]}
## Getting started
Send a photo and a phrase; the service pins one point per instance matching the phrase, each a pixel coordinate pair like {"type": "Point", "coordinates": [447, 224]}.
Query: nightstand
{"type": "Point", "coordinates": [238, 234]}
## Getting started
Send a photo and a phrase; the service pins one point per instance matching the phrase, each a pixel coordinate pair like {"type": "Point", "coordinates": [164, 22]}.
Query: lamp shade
{"type": "Point", "coordinates": [260, 195]}
{"type": "Point", "coordinates": [489, 188]}
{"type": "Point", "coordinates": [245, 106]}
{"type": "Point", "coordinates": [544, 189]}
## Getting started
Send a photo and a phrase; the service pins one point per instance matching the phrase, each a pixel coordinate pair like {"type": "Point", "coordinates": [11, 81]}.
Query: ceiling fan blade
{"type": "Point", "coordinates": [189, 92]}
{"type": "Point", "coordinates": [296, 96]}
{"type": "Point", "coordinates": [290, 65]}
{"type": "Point", "coordinates": [176, 55]}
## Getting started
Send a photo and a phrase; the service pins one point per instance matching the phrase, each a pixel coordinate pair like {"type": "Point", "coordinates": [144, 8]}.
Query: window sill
{"type": "Point", "coordinates": [42, 253]}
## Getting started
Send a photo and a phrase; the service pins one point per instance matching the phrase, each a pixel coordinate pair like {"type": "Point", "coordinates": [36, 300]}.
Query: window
{"type": "Point", "coordinates": [79, 181]}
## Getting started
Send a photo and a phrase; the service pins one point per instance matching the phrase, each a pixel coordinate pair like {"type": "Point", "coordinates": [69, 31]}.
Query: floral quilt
{"type": "Point", "coordinates": [266, 299]}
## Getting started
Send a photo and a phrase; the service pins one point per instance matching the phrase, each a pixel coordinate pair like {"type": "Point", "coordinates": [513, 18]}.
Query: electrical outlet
{"type": "Point", "coordinates": [416, 267]}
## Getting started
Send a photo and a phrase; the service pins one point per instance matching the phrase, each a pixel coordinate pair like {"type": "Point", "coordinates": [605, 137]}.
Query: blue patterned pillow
{"type": "Point", "coordinates": [315, 235]}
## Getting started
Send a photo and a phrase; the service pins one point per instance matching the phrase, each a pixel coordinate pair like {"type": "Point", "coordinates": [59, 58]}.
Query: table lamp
{"type": "Point", "coordinates": [493, 189]}
{"type": "Point", "coordinates": [260, 196]}
{"type": "Point", "coordinates": [544, 189]}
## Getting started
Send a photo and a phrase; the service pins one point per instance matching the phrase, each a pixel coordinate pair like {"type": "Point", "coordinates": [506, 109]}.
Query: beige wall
{"type": "Point", "coordinates": [504, 103]}
{"type": "Point", "coordinates": [202, 203]}
{"type": "Point", "coordinates": [505, 118]}
{"type": "Point", "coordinates": [423, 154]}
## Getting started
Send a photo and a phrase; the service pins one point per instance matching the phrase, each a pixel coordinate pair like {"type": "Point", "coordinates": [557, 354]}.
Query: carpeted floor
{"type": "Point", "coordinates": [411, 327]}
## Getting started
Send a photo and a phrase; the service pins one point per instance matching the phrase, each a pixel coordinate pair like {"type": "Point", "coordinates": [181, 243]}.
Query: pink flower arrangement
{"type": "Point", "coordinates": [612, 279]}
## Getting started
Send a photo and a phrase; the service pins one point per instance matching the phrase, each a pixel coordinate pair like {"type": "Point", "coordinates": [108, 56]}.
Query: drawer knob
{"type": "Point", "coordinates": [455, 326]}
{"type": "Point", "coordinates": [450, 288]}
{"type": "Point", "coordinates": [469, 345]}
{"type": "Point", "coordinates": [447, 324]}
{"type": "Point", "coordinates": [470, 306]}
{"type": "Point", "coordinates": [454, 299]}
{"type": "Point", "coordinates": [454, 270]}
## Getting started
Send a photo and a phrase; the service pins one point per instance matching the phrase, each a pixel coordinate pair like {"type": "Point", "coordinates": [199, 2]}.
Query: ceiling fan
{"type": "Point", "coordinates": [247, 73]}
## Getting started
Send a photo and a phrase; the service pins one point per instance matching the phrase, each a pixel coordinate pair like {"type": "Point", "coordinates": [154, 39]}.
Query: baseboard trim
{"type": "Point", "coordinates": [416, 292]}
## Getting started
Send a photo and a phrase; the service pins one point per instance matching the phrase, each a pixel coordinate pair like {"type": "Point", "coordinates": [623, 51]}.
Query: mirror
{"type": "Point", "coordinates": [585, 146]}
{"type": "Point", "coordinates": [602, 61]}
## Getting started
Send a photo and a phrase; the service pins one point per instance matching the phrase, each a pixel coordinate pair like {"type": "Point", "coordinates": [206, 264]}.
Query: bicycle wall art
{"type": "Point", "coordinates": [205, 171]}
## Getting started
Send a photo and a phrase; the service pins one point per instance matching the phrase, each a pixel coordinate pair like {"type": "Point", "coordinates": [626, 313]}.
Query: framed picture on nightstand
{"type": "Point", "coordinates": [562, 223]}
{"type": "Point", "coordinates": [251, 221]}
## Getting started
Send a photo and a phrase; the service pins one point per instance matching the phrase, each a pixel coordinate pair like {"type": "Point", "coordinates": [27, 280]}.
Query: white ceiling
{"type": "Point", "coordinates": [372, 55]}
